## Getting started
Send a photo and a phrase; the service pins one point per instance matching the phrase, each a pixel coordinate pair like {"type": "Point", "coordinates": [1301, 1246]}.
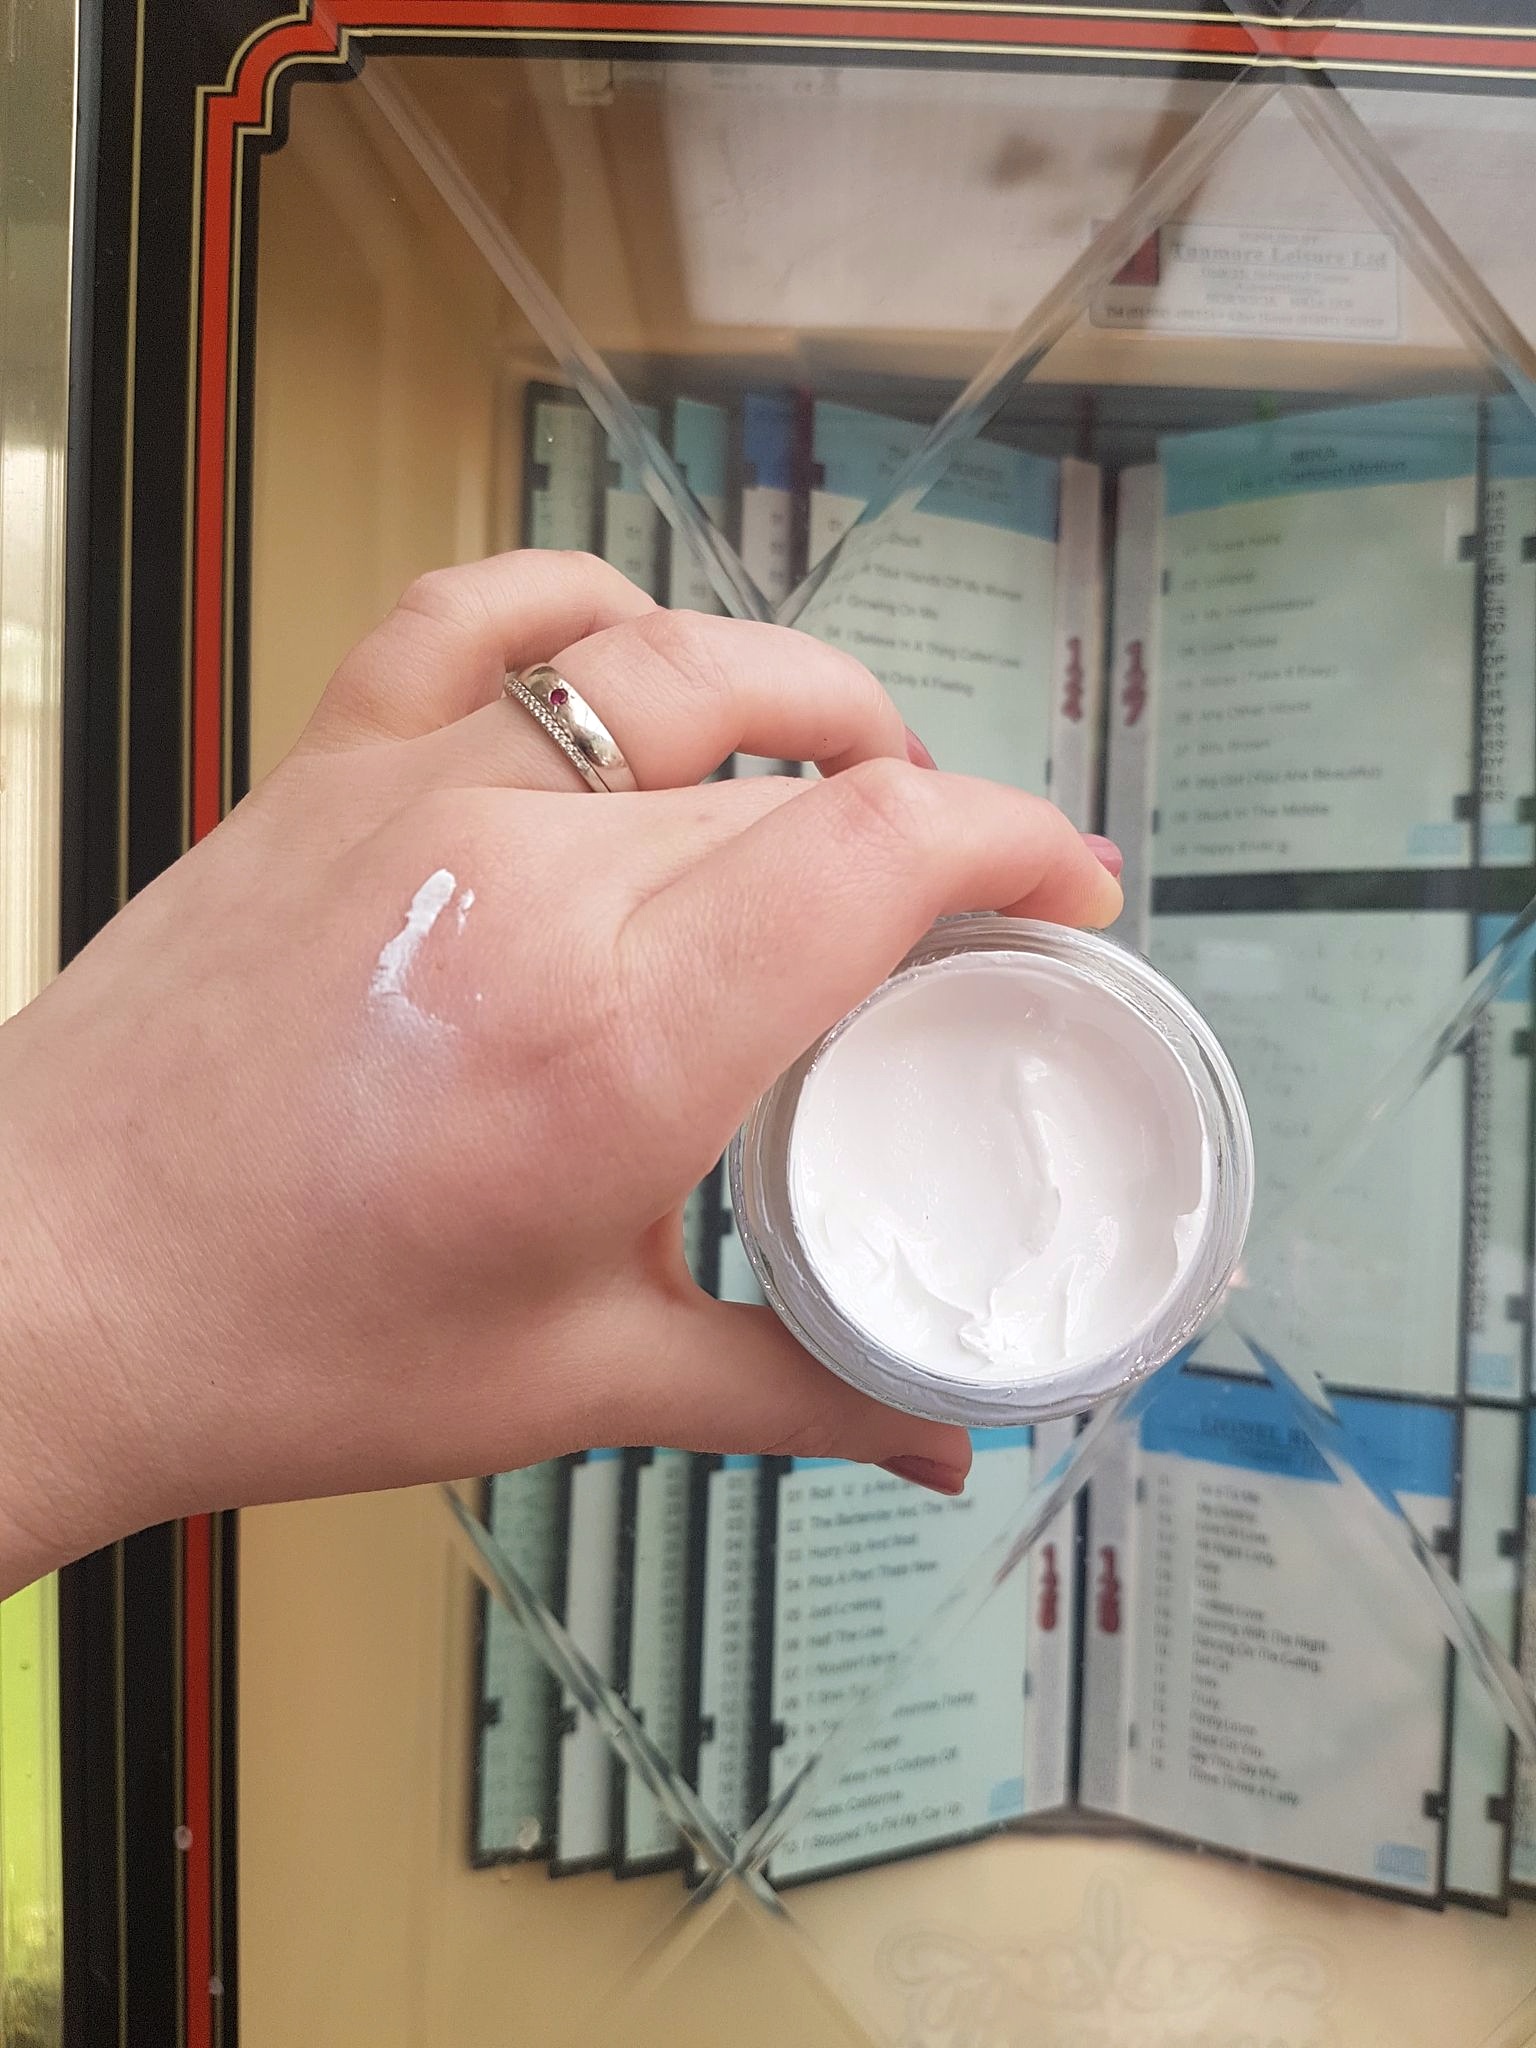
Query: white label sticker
{"type": "Point", "coordinates": [1203, 277]}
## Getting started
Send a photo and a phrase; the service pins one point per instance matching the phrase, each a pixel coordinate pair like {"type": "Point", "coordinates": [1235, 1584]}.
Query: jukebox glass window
{"type": "Point", "coordinates": [1164, 443]}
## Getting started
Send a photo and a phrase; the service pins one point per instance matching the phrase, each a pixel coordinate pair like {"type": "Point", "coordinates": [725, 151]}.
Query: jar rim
{"type": "Point", "coordinates": [765, 1221]}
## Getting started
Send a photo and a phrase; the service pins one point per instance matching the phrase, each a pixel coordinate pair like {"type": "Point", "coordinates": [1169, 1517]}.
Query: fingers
{"type": "Point", "coordinates": [681, 691]}
{"type": "Point", "coordinates": [445, 649]}
{"type": "Point", "coordinates": [632, 846]}
{"type": "Point", "coordinates": [714, 1377]}
{"type": "Point", "coordinates": [684, 826]}
{"type": "Point", "coordinates": [791, 923]}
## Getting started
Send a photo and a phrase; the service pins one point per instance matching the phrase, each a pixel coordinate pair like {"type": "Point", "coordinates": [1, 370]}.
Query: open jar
{"type": "Point", "coordinates": [1014, 1179]}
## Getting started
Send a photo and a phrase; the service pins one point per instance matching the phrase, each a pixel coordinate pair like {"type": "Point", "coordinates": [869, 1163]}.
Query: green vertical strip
{"type": "Point", "coordinates": [31, 1920]}
{"type": "Point", "coordinates": [37, 145]}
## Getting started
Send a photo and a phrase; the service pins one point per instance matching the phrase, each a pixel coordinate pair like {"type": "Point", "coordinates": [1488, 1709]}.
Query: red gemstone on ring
{"type": "Point", "coordinates": [558, 697]}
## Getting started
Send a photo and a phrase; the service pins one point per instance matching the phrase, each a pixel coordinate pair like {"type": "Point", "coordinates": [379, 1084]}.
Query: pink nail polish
{"type": "Point", "coordinates": [926, 1472]}
{"type": "Point", "coordinates": [917, 753]}
{"type": "Point", "coordinates": [1105, 852]}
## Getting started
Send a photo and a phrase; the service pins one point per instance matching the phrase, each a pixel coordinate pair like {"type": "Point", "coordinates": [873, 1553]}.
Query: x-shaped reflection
{"type": "Point", "coordinates": [1259, 19]}
{"type": "Point", "coordinates": [1336, 128]}
{"type": "Point", "coordinates": [1317, 106]}
{"type": "Point", "coordinates": [1338, 131]}
{"type": "Point", "coordinates": [1009, 366]}
{"type": "Point", "coordinates": [510, 264]}
{"type": "Point", "coordinates": [593, 1694]}
{"type": "Point", "coordinates": [1372, 1504]}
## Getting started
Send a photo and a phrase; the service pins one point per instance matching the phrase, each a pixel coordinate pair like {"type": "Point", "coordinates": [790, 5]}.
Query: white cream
{"type": "Point", "coordinates": [393, 966]}
{"type": "Point", "coordinates": [999, 1168]}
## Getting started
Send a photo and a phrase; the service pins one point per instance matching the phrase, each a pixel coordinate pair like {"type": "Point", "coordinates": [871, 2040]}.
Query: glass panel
{"type": "Point", "coordinates": [1165, 452]}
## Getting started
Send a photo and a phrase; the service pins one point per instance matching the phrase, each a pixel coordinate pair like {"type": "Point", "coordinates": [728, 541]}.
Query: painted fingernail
{"type": "Point", "coordinates": [917, 753]}
{"type": "Point", "coordinates": [1105, 852]}
{"type": "Point", "coordinates": [926, 1472]}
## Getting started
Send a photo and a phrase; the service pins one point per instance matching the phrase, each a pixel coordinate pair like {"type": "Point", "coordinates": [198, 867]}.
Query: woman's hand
{"type": "Point", "coordinates": [353, 1152]}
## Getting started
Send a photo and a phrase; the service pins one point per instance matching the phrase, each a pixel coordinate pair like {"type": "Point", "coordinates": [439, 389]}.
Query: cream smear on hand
{"type": "Point", "coordinates": [390, 984]}
{"type": "Point", "coordinates": [1013, 1181]}
{"type": "Point", "coordinates": [996, 1169]}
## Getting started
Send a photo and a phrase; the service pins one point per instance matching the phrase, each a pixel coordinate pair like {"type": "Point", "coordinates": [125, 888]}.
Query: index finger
{"type": "Point", "coordinates": [789, 925]}
{"type": "Point", "coordinates": [446, 648]}
{"type": "Point", "coordinates": [680, 692]}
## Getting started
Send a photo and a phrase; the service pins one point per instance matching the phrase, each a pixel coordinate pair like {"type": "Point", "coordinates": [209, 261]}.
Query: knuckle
{"type": "Point", "coordinates": [887, 804]}
{"type": "Point", "coordinates": [851, 673]}
{"type": "Point", "coordinates": [854, 703]}
{"type": "Point", "coordinates": [818, 1431]}
{"type": "Point", "coordinates": [579, 563]}
{"type": "Point", "coordinates": [437, 594]}
{"type": "Point", "coordinates": [689, 646]}
{"type": "Point", "coordinates": [462, 593]}
{"type": "Point", "coordinates": [1045, 823]}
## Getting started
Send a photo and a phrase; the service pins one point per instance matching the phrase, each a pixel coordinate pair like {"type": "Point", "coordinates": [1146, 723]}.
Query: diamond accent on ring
{"type": "Point", "coordinates": [573, 725]}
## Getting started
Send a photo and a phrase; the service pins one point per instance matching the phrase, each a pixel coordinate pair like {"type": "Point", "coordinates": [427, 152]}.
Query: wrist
{"type": "Point", "coordinates": [65, 1456]}
{"type": "Point", "coordinates": [42, 1493]}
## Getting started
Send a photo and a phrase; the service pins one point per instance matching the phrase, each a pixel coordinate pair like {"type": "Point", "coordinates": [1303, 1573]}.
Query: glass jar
{"type": "Point", "coordinates": [1132, 994]}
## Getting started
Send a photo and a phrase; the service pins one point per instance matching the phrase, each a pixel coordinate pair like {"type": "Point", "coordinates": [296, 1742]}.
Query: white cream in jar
{"type": "Point", "coordinates": [1016, 1177]}
{"type": "Point", "coordinates": [996, 1169]}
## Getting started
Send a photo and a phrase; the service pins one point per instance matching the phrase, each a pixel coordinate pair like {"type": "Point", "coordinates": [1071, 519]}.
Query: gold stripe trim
{"type": "Point", "coordinates": [189, 534]}
{"type": "Point", "coordinates": [216, 1767]}
{"type": "Point", "coordinates": [130, 393]}
{"type": "Point", "coordinates": [120, 1774]}
{"type": "Point", "coordinates": [179, 1768]}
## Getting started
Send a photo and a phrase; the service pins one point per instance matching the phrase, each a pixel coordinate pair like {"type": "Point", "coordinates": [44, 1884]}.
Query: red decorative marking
{"type": "Point", "coordinates": [558, 697]}
{"type": "Point", "coordinates": [1072, 682]}
{"type": "Point", "coordinates": [1050, 1591]}
{"type": "Point", "coordinates": [1133, 698]}
{"type": "Point", "coordinates": [1108, 1593]}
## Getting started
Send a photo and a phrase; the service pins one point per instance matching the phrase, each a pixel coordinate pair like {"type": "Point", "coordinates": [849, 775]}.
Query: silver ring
{"type": "Point", "coordinates": [574, 727]}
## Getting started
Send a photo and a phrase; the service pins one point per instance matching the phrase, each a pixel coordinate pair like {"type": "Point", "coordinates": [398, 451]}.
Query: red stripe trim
{"type": "Point", "coordinates": [644, 18]}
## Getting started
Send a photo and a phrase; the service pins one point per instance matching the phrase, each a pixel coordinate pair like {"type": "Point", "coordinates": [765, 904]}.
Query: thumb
{"type": "Point", "coordinates": [721, 1377]}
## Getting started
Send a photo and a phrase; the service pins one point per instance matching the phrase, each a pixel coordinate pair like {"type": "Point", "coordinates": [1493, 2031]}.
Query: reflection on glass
{"type": "Point", "coordinates": [1161, 455]}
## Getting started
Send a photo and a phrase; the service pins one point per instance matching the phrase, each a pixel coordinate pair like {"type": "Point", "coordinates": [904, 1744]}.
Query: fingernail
{"type": "Point", "coordinates": [926, 1472]}
{"type": "Point", "coordinates": [917, 753]}
{"type": "Point", "coordinates": [1105, 852]}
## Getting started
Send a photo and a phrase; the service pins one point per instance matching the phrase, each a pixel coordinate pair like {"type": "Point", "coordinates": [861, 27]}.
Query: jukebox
{"type": "Point", "coordinates": [1147, 396]}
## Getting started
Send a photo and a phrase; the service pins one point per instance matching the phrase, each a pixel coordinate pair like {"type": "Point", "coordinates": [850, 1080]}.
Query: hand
{"type": "Point", "coordinates": [353, 1152]}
